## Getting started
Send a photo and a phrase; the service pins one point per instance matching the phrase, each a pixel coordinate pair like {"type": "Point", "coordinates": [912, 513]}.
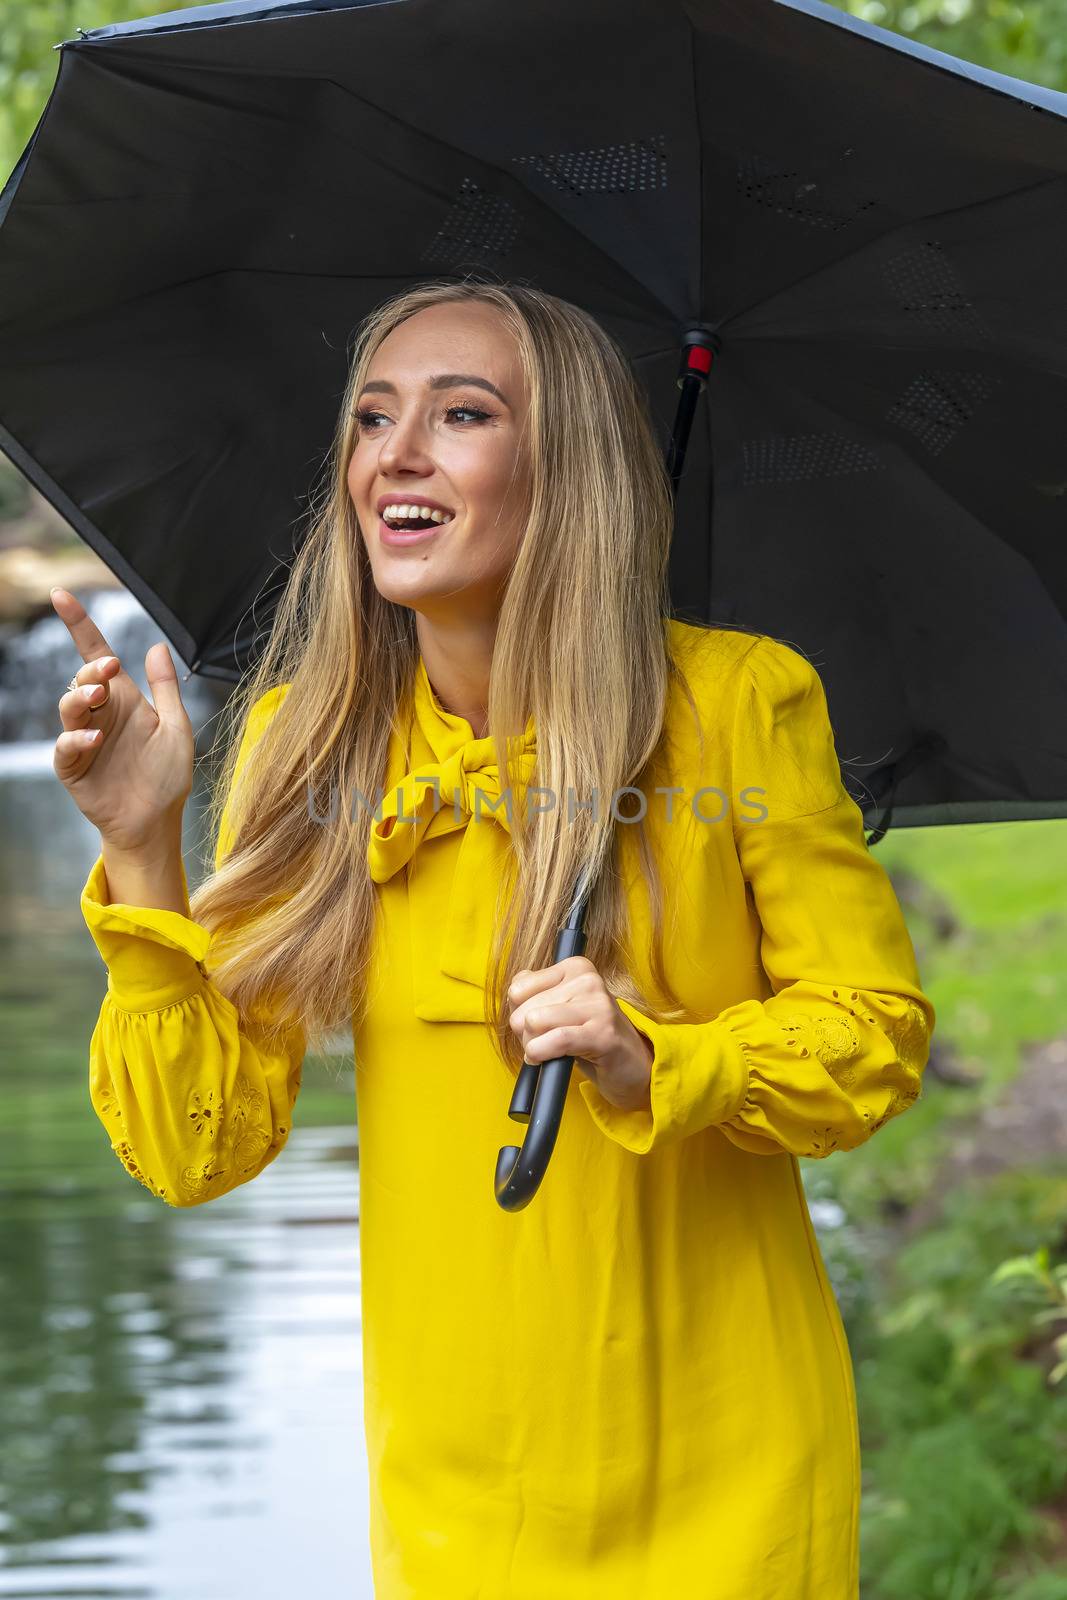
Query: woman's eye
{"type": "Point", "coordinates": [469, 411]}
{"type": "Point", "coordinates": [367, 419]}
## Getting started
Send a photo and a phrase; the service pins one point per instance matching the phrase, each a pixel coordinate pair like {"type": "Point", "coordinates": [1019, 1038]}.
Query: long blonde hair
{"type": "Point", "coordinates": [582, 644]}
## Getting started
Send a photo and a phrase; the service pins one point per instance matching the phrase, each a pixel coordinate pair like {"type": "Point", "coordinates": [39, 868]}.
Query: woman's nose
{"type": "Point", "coordinates": [405, 446]}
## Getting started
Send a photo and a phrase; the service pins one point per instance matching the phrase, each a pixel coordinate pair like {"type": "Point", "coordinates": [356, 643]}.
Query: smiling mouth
{"type": "Point", "coordinates": [409, 531]}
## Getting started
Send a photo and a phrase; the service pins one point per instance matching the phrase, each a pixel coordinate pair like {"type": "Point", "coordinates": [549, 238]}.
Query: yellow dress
{"type": "Point", "coordinates": [638, 1387]}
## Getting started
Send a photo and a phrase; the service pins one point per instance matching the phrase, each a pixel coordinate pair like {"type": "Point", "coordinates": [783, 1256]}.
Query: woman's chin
{"type": "Point", "coordinates": [410, 583]}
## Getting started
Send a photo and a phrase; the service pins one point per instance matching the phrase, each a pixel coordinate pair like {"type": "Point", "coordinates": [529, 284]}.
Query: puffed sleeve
{"type": "Point", "coordinates": [193, 1099]}
{"type": "Point", "coordinates": [841, 1044]}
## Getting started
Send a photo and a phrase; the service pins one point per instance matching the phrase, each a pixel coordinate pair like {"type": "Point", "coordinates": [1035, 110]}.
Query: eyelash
{"type": "Point", "coordinates": [364, 416]}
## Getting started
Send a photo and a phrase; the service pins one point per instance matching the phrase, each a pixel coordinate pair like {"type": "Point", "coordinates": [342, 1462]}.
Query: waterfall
{"type": "Point", "coordinates": [37, 665]}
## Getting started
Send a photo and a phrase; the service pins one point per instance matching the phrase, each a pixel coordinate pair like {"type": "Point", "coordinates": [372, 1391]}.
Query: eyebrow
{"type": "Point", "coordinates": [442, 380]}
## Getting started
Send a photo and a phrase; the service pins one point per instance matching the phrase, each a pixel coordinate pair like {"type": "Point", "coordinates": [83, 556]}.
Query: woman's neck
{"type": "Point", "coordinates": [458, 659]}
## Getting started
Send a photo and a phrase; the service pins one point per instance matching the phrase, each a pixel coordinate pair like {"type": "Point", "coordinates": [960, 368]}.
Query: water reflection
{"type": "Point", "coordinates": [183, 1391]}
{"type": "Point", "coordinates": [180, 1390]}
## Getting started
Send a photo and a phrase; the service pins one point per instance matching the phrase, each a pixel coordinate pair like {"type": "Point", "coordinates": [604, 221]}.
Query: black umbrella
{"type": "Point", "coordinates": [872, 232]}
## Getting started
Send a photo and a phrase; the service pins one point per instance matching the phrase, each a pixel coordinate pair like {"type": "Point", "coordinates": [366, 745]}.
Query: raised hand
{"type": "Point", "coordinates": [128, 764]}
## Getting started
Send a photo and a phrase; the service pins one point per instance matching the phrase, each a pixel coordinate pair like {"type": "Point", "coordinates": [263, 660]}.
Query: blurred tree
{"type": "Point", "coordinates": [1024, 38]}
{"type": "Point", "coordinates": [28, 62]}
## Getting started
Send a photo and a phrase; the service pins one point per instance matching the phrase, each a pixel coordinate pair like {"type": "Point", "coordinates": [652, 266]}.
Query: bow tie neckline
{"type": "Point", "coordinates": [438, 794]}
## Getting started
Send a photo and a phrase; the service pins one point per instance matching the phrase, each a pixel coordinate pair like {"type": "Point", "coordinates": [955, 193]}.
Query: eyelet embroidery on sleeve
{"type": "Point", "coordinates": [825, 1140]}
{"type": "Point", "coordinates": [833, 1038]}
{"type": "Point", "coordinates": [126, 1156]}
{"type": "Point", "coordinates": [909, 1035]}
{"type": "Point", "coordinates": [194, 1180]}
{"type": "Point", "coordinates": [242, 1144]}
{"type": "Point", "coordinates": [249, 1142]}
{"type": "Point", "coordinates": [205, 1112]}
{"type": "Point", "coordinates": [836, 1043]}
{"type": "Point", "coordinates": [248, 1100]}
{"type": "Point", "coordinates": [109, 1106]}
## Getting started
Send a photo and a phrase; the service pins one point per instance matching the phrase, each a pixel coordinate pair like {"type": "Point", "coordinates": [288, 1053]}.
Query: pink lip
{"type": "Point", "coordinates": [406, 536]}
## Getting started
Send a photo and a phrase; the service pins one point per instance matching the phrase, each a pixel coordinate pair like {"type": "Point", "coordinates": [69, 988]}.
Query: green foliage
{"type": "Point", "coordinates": [964, 1434]}
{"type": "Point", "coordinates": [1025, 40]}
{"type": "Point", "coordinates": [1036, 1273]}
{"type": "Point", "coordinates": [1046, 1585]}
{"type": "Point", "coordinates": [14, 491]}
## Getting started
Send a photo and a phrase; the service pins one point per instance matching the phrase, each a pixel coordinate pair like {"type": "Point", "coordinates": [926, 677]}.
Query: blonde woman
{"type": "Point", "coordinates": [639, 1386]}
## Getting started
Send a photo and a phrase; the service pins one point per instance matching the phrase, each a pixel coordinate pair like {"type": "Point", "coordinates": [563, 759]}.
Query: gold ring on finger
{"type": "Point", "coordinates": [74, 684]}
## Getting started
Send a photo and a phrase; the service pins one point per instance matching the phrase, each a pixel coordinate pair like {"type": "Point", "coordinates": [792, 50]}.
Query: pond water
{"type": "Point", "coordinates": [180, 1389]}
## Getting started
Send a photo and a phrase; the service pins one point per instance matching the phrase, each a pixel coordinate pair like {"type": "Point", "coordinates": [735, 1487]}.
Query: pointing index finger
{"type": "Point", "coordinates": [80, 625]}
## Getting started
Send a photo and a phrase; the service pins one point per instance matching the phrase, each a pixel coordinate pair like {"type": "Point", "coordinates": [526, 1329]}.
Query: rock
{"type": "Point", "coordinates": [27, 575]}
{"type": "Point", "coordinates": [945, 1063]}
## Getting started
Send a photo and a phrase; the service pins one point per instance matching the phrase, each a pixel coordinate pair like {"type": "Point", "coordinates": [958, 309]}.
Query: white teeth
{"type": "Point", "coordinates": [399, 513]}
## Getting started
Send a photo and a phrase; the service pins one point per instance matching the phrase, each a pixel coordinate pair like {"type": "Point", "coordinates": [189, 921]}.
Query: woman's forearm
{"type": "Point", "coordinates": [153, 876]}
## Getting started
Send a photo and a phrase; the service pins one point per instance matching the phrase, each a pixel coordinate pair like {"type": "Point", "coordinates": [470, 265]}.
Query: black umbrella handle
{"type": "Point", "coordinates": [539, 1096]}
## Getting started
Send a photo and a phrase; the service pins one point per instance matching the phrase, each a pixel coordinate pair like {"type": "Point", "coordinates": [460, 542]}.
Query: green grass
{"type": "Point", "coordinates": [964, 1439]}
{"type": "Point", "coordinates": [995, 875]}
{"type": "Point", "coordinates": [998, 984]}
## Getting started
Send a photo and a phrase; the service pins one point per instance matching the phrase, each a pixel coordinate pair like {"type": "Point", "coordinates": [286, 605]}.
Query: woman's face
{"type": "Point", "coordinates": [442, 416]}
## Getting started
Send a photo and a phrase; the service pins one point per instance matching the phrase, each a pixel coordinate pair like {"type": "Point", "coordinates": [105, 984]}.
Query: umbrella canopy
{"type": "Point", "coordinates": [873, 232]}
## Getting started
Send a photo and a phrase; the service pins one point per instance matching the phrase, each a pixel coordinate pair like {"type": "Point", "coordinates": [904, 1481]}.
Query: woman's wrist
{"type": "Point", "coordinates": [152, 875]}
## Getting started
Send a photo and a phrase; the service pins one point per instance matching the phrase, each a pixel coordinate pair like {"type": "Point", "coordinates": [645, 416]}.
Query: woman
{"type": "Point", "coordinates": [639, 1386]}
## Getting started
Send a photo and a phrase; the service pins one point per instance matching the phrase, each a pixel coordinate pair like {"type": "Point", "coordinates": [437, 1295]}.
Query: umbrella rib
{"type": "Point", "coordinates": [700, 153]}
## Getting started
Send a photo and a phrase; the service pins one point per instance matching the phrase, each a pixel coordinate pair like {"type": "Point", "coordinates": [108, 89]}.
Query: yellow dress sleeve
{"type": "Point", "coordinates": [841, 1044]}
{"type": "Point", "coordinates": [193, 1100]}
